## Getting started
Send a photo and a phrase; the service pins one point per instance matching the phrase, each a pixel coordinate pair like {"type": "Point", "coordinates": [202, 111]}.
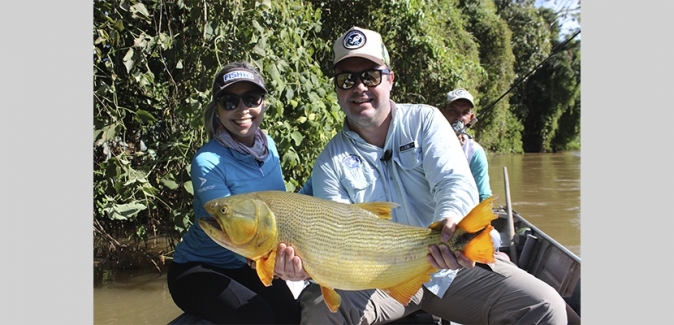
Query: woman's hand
{"type": "Point", "coordinates": [288, 265]}
{"type": "Point", "coordinates": [441, 257]}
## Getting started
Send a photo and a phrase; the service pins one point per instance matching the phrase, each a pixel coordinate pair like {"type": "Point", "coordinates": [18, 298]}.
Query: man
{"type": "Point", "coordinates": [408, 154]}
{"type": "Point", "coordinates": [459, 112]}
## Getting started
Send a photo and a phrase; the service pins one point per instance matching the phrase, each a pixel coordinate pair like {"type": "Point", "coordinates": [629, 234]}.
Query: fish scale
{"type": "Point", "coordinates": [342, 246]}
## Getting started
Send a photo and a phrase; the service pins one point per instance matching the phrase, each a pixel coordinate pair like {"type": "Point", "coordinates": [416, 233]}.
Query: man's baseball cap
{"type": "Point", "coordinates": [362, 43]}
{"type": "Point", "coordinates": [228, 77]}
{"type": "Point", "coordinates": [460, 93]}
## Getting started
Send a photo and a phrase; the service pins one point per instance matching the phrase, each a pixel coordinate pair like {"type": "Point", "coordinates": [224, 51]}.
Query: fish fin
{"type": "Point", "coordinates": [381, 209]}
{"type": "Point", "coordinates": [436, 226]}
{"type": "Point", "coordinates": [403, 293]}
{"type": "Point", "coordinates": [265, 268]}
{"type": "Point", "coordinates": [479, 217]}
{"type": "Point", "coordinates": [481, 249]}
{"type": "Point", "coordinates": [332, 298]}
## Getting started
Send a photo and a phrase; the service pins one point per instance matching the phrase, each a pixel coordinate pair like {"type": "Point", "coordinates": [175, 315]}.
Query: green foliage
{"type": "Point", "coordinates": [498, 130]}
{"type": "Point", "coordinates": [154, 64]}
{"type": "Point", "coordinates": [553, 89]}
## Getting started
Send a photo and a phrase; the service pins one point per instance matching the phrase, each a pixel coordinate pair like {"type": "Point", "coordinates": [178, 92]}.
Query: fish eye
{"type": "Point", "coordinates": [223, 210]}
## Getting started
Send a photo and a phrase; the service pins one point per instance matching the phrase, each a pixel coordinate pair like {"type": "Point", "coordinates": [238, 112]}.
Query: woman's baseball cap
{"type": "Point", "coordinates": [228, 77]}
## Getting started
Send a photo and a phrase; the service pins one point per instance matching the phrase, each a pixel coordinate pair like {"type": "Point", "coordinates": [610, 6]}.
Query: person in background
{"type": "Point", "coordinates": [459, 112]}
{"type": "Point", "coordinates": [408, 154]}
{"type": "Point", "coordinates": [205, 279]}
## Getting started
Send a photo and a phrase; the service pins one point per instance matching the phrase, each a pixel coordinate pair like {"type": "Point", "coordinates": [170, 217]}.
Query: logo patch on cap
{"type": "Point", "coordinates": [354, 39]}
{"type": "Point", "coordinates": [460, 92]}
{"type": "Point", "coordinates": [237, 75]}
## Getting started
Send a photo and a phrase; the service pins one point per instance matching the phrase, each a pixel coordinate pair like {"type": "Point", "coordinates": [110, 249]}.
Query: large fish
{"type": "Point", "coordinates": [342, 246]}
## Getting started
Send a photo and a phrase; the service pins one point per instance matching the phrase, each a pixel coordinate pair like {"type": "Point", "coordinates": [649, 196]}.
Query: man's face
{"type": "Point", "coordinates": [459, 109]}
{"type": "Point", "coordinates": [365, 106]}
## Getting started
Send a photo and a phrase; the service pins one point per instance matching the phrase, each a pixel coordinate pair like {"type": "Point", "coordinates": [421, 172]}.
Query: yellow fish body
{"type": "Point", "coordinates": [342, 246]}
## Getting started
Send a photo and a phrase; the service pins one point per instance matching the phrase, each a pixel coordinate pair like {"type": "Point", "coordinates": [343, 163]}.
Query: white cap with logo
{"type": "Point", "coordinates": [460, 93]}
{"type": "Point", "coordinates": [363, 43]}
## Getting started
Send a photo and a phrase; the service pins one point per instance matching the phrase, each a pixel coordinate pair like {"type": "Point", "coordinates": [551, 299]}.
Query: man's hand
{"type": "Point", "coordinates": [288, 266]}
{"type": "Point", "coordinates": [441, 257]}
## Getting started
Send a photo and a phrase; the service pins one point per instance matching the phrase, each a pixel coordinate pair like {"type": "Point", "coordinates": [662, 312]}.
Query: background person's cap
{"type": "Point", "coordinates": [460, 93]}
{"type": "Point", "coordinates": [363, 43]}
{"type": "Point", "coordinates": [226, 78]}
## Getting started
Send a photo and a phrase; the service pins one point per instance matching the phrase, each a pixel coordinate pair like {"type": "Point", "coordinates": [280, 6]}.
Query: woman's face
{"type": "Point", "coordinates": [242, 122]}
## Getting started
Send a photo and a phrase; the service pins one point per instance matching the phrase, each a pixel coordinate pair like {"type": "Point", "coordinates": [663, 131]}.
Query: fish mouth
{"type": "Point", "coordinates": [212, 222]}
{"type": "Point", "coordinates": [212, 227]}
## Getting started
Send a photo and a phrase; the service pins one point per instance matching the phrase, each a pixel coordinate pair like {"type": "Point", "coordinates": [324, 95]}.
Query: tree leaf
{"type": "Point", "coordinates": [128, 60]}
{"type": "Point", "coordinates": [188, 187]}
{"type": "Point", "coordinates": [169, 183]}
{"type": "Point", "coordinates": [125, 211]}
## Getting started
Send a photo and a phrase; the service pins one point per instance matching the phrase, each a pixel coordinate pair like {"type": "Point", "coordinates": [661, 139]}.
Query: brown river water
{"type": "Point", "coordinates": [544, 189]}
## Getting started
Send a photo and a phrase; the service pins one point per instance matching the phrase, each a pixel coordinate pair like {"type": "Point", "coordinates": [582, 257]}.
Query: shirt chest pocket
{"type": "Point", "coordinates": [360, 185]}
{"type": "Point", "coordinates": [409, 159]}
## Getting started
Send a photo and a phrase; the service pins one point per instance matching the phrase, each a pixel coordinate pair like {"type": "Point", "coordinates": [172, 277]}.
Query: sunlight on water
{"type": "Point", "coordinates": [544, 189]}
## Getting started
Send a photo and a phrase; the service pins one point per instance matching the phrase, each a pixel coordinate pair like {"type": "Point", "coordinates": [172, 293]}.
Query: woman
{"type": "Point", "coordinates": [205, 279]}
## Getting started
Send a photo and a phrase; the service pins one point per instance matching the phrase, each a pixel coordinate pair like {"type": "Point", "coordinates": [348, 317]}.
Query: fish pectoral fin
{"type": "Point", "coordinates": [479, 217]}
{"type": "Point", "coordinates": [332, 298]}
{"type": "Point", "coordinates": [265, 268]}
{"type": "Point", "coordinates": [481, 249]}
{"type": "Point", "coordinates": [381, 209]}
{"type": "Point", "coordinates": [403, 293]}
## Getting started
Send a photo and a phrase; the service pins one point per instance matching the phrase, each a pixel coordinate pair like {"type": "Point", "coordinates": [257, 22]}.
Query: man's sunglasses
{"type": "Point", "coordinates": [370, 78]}
{"type": "Point", "coordinates": [230, 102]}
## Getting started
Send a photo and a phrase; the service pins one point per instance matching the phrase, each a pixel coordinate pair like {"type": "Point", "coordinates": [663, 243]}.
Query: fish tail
{"type": "Point", "coordinates": [479, 249]}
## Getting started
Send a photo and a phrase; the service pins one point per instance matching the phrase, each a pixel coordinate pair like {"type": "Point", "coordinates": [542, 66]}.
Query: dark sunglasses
{"type": "Point", "coordinates": [230, 102]}
{"type": "Point", "coordinates": [370, 78]}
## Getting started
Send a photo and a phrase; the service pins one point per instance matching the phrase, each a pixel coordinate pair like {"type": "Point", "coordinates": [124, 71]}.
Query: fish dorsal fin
{"type": "Point", "coordinates": [380, 209]}
{"type": "Point", "coordinates": [479, 217]}
{"type": "Point", "coordinates": [265, 268]}
{"type": "Point", "coordinates": [403, 293]}
{"type": "Point", "coordinates": [332, 298]}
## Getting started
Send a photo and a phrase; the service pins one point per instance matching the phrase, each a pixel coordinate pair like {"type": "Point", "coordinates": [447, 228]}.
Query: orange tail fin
{"type": "Point", "coordinates": [480, 249]}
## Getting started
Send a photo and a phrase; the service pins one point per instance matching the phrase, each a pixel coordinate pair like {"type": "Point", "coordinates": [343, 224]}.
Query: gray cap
{"type": "Point", "coordinates": [460, 93]}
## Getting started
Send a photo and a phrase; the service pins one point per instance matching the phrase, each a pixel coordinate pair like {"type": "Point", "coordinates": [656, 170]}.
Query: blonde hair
{"type": "Point", "coordinates": [211, 121]}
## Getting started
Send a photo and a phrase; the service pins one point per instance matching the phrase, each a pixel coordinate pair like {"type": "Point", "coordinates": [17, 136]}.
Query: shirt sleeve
{"type": "Point", "coordinates": [307, 188]}
{"type": "Point", "coordinates": [208, 180]}
{"type": "Point", "coordinates": [446, 169]}
{"type": "Point", "coordinates": [480, 169]}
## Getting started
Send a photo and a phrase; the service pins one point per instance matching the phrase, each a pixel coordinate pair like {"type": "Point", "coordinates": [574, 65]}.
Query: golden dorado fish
{"type": "Point", "coordinates": [342, 246]}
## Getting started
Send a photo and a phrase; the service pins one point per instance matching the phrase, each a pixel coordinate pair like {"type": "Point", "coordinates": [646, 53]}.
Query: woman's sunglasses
{"type": "Point", "coordinates": [230, 102]}
{"type": "Point", "coordinates": [370, 78]}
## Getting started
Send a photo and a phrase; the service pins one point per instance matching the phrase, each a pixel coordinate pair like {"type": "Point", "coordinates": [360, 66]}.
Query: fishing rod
{"type": "Point", "coordinates": [554, 51]}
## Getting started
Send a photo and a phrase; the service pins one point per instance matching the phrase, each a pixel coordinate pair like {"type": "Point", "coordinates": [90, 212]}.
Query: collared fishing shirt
{"type": "Point", "coordinates": [421, 167]}
{"type": "Point", "coordinates": [218, 171]}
